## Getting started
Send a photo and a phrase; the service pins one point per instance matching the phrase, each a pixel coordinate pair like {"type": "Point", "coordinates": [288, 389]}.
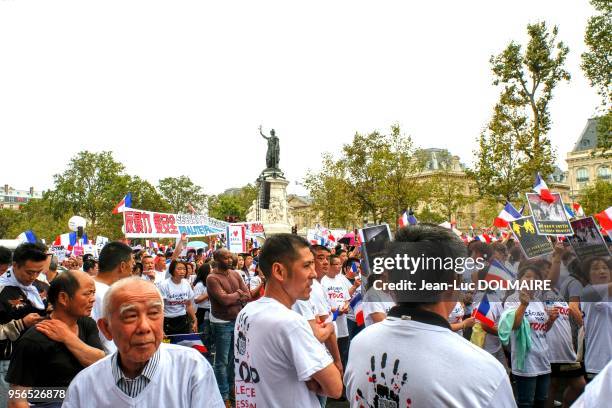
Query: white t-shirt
{"type": "Point", "coordinates": [318, 298]}
{"type": "Point", "coordinates": [305, 308]}
{"type": "Point", "coordinates": [598, 391]}
{"type": "Point", "coordinates": [183, 379]}
{"type": "Point", "coordinates": [97, 313]}
{"type": "Point", "coordinates": [536, 361]}
{"type": "Point", "coordinates": [559, 337]}
{"type": "Point", "coordinates": [375, 302]}
{"type": "Point", "coordinates": [160, 276]}
{"type": "Point", "coordinates": [275, 354]}
{"type": "Point", "coordinates": [199, 290]}
{"type": "Point", "coordinates": [456, 316]}
{"type": "Point", "coordinates": [401, 360]}
{"type": "Point", "coordinates": [176, 297]}
{"type": "Point", "coordinates": [337, 290]}
{"type": "Point", "coordinates": [597, 309]}
{"type": "Point", "coordinates": [496, 308]}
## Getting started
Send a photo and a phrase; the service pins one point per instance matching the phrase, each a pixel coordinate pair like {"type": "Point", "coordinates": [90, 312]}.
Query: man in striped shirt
{"type": "Point", "coordinates": [144, 372]}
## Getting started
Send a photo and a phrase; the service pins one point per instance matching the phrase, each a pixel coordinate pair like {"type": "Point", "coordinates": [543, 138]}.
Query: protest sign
{"type": "Point", "coordinates": [253, 229]}
{"type": "Point", "coordinates": [550, 218]}
{"type": "Point", "coordinates": [374, 241]}
{"type": "Point", "coordinates": [150, 224]}
{"type": "Point", "coordinates": [77, 250]}
{"type": "Point", "coordinates": [587, 240]}
{"type": "Point", "coordinates": [531, 242]}
{"type": "Point", "coordinates": [59, 251]}
{"type": "Point", "coordinates": [236, 238]}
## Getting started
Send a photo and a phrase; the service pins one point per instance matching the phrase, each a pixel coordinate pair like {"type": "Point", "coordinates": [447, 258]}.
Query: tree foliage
{"type": "Point", "coordinates": [597, 66]}
{"type": "Point", "coordinates": [374, 178]}
{"type": "Point", "coordinates": [528, 79]}
{"type": "Point", "coordinates": [514, 145]}
{"type": "Point", "coordinates": [91, 186]}
{"type": "Point", "coordinates": [235, 204]}
{"type": "Point", "coordinates": [180, 192]}
{"type": "Point", "coordinates": [596, 197]}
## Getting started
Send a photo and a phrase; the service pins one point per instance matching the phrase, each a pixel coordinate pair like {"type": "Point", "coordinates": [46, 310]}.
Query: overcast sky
{"type": "Point", "coordinates": [181, 87]}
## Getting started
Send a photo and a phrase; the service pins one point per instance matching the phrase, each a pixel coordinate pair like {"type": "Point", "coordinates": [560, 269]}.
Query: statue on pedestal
{"type": "Point", "coordinates": [273, 153]}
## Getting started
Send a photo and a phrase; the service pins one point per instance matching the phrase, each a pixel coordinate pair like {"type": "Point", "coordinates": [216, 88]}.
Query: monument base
{"type": "Point", "coordinates": [276, 218]}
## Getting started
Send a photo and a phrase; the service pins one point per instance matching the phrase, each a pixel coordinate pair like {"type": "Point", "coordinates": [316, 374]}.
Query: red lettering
{"type": "Point", "coordinates": [129, 222]}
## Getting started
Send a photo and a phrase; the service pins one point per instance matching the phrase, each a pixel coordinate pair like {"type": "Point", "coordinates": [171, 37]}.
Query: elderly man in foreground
{"type": "Point", "coordinates": [143, 372]}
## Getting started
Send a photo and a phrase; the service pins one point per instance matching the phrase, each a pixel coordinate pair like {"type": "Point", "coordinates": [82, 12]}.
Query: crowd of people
{"type": "Point", "coordinates": [294, 324]}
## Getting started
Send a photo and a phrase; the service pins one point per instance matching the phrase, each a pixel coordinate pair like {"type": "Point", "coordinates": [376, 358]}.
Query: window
{"type": "Point", "coordinates": [582, 175]}
{"type": "Point", "coordinates": [603, 172]}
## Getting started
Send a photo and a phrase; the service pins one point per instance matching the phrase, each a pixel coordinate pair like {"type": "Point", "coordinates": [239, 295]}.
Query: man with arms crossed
{"type": "Point", "coordinates": [279, 362]}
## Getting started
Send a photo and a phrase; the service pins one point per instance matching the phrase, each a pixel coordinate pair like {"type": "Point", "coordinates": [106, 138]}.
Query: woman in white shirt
{"type": "Point", "coordinates": [178, 294]}
{"type": "Point", "coordinates": [533, 378]}
{"type": "Point", "coordinates": [595, 302]}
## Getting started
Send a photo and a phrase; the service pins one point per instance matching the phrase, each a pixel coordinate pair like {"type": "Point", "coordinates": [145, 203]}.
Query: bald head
{"type": "Point", "coordinates": [126, 289]}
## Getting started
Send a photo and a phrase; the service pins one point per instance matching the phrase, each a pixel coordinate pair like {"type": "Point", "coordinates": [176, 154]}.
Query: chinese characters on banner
{"type": "Point", "coordinates": [150, 224]}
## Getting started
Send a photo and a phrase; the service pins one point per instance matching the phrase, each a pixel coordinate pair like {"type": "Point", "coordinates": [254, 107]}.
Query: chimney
{"type": "Point", "coordinates": [6, 189]}
{"type": "Point", "coordinates": [31, 191]}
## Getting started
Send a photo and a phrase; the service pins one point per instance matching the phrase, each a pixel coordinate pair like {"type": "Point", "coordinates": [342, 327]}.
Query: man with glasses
{"type": "Point", "coordinates": [115, 262]}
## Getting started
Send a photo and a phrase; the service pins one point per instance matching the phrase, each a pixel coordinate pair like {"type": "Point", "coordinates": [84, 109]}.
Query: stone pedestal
{"type": "Point", "coordinates": [276, 218]}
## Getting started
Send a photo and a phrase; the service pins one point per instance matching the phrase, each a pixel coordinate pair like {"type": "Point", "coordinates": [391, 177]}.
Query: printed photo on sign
{"type": "Point", "coordinates": [550, 219]}
{"type": "Point", "coordinates": [587, 241]}
{"type": "Point", "coordinates": [531, 242]}
{"type": "Point", "coordinates": [374, 240]}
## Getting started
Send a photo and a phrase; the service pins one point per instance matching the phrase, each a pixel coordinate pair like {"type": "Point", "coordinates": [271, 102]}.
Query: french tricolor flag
{"type": "Point", "coordinates": [483, 238]}
{"type": "Point", "coordinates": [605, 219]}
{"type": "Point", "coordinates": [66, 240]}
{"type": "Point", "coordinates": [402, 221]}
{"type": "Point", "coordinates": [27, 236]}
{"type": "Point", "coordinates": [541, 188]}
{"type": "Point", "coordinates": [189, 340]}
{"type": "Point", "coordinates": [126, 202]}
{"type": "Point", "coordinates": [507, 214]}
{"type": "Point", "coordinates": [498, 272]}
{"type": "Point", "coordinates": [578, 210]}
{"type": "Point", "coordinates": [480, 313]}
{"type": "Point", "coordinates": [568, 211]}
{"type": "Point", "coordinates": [357, 305]}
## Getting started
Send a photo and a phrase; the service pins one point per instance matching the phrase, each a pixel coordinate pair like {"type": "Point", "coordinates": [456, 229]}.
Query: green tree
{"type": "Point", "coordinates": [234, 204]}
{"type": "Point", "coordinates": [502, 169]}
{"type": "Point", "coordinates": [91, 186]}
{"type": "Point", "coordinates": [8, 218]}
{"type": "Point", "coordinates": [374, 178]}
{"type": "Point", "coordinates": [331, 197]}
{"type": "Point", "coordinates": [528, 79]}
{"type": "Point", "coordinates": [596, 197]}
{"type": "Point", "coordinates": [597, 66]}
{"type": "Point", "coordinates": [37, 215]}
{"type": "Point", "coordinates": [179, 192]}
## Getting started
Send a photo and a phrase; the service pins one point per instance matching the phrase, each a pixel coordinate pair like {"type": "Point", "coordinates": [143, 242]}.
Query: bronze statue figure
{"type": "Point", "coordinates": [273, 153]}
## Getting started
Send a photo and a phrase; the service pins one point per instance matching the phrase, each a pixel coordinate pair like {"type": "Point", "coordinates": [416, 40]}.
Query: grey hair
{"type": "Point", "coordinates": [107, 301]}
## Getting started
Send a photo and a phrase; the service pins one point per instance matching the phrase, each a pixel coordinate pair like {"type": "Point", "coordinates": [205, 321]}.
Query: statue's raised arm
{"type": "Point", "coordinates": [261, 133]}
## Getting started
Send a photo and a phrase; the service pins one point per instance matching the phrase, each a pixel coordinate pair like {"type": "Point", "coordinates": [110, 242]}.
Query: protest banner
{"type": "Point", "coordinates": [59, 251]}
{"type": "Point", "coordinates": [253, 229]}
{"type": "Point", "coordinates": [374, 240]}
{"type": "Point", "coordinates": [550, 218]}
{"type": "Point", "coordinates": [151, 224]}
{"type": "Point", "coordinates": [587, 240]}
{"type": "Point", "coordinates": [236, 238]}
{"type": "Point", "coordinates": [531, 242]}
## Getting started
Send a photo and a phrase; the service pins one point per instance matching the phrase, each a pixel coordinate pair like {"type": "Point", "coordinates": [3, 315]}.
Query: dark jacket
{"type": "Point", "coordinates": [14, 306]}
{"type": "Point", "coordinates": [225, 301]}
